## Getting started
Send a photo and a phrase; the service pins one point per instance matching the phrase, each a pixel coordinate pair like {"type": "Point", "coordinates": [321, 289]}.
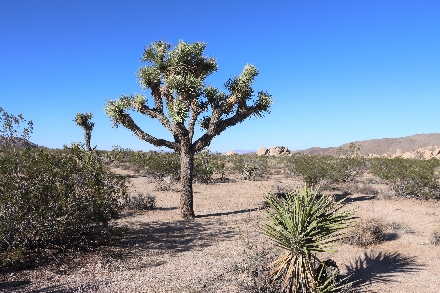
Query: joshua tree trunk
{"type": "Point", "coordinates": [186, 177]}
{"type": "Point", "coordinates": [88, 137]}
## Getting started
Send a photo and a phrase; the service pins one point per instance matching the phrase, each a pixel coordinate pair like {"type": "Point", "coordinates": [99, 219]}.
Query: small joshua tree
{"type": "Point", "coordinates": [176, 80]}
{"type": "Point", "coordinates": [83, 120]}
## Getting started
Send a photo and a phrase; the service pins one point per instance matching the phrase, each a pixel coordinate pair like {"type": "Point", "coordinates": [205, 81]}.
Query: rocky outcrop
{"type": "Point", "coordinates": [273, 151]}
{"type": "Point", "coordinates": [230, 153]}
{"type": "Point", "coordinates": [423, 153]}
{"type": "Point", "coordinates": [262, 151]}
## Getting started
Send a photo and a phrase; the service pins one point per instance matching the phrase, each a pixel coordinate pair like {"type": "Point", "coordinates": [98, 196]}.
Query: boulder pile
{"type": "Point", "coordinates": [273, 151]}
{"type": "Point", "coordinates": [421, 153]}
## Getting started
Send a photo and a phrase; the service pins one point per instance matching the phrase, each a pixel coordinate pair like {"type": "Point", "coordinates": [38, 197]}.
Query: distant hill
{"type": "Point", "coordinates": [385, 145]}
{"type": "Point", "coordinates": [19, 142]}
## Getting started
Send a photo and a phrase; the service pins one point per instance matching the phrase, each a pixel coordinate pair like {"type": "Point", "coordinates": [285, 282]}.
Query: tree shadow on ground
{"type": "Point", "coordinates": [174, 237]}
{"type": "Point", "coordinates": [228, 213]}
{"type": "Point", "coordinates": [350, 198]}
{"type": "Point", "coordinates": [156, 239]}
{"type": "Point", "coordinates": [10, 285]}
{"type": "Point", "coordinates": [380, 267]}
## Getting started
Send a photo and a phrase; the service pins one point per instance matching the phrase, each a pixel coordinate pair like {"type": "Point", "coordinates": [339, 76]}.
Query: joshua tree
{"type": "Point", "coordinates": [176, 79]}
{"type": "Point", "coordinates": [83, 120]}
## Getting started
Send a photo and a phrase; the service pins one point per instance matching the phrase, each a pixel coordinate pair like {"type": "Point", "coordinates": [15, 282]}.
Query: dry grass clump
{"type": "Point", "coordinates": [366, 232]}
{"type": "Point", "coordinates": [363, 188]}
{"type": "Point", "coordinates": [435, 236]}
{"type": "Point", "coordinates": [140, 202]}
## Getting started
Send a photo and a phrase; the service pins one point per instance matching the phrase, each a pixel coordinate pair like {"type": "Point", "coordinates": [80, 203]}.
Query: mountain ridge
{"type": "Point", "coordinates": [382, 146]}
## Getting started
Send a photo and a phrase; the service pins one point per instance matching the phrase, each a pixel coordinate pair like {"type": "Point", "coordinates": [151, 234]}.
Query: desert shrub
{"type": "Point", "coordinates": [366, 232]}
{"type": "Point", "coordinates": [317, 170]}
{"type": "Point", "coordinates": [160, 165]}
{"type": "Point", "coordinates": [250, 166]}
{"type": "Point", "coordinates": [312, 169]}
{"type": "Point", "coordinates": [207, 164]}
{"type": "Point", "coordinates": [360, 187]}
{"type": "Point", "coordinates": [348, 165]}
{"type": "Point", "coordinates": [139, 201]}
{"type": "Point", "coordinates": [303, 225]}
{"type": "Point", "coordinates": [53, 199]}
{"type": "Point", "coordinates": [435, 236]}
{"type": "Point", "coordinates": [408, 177]}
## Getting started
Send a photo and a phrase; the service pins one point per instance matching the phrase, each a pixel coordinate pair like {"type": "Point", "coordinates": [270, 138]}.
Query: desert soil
{"type": "Point", "coordinates": [217, 251]}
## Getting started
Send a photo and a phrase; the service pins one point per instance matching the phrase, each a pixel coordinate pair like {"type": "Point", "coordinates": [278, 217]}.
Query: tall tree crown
{"type": "Point", "coordinates": [84, 121]}
{"type": "Point", "coordinates": [176, 77]}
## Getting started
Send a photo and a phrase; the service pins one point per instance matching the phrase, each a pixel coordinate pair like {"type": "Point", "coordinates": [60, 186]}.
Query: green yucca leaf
{"type": "Point", "coordinates": [304, 224]}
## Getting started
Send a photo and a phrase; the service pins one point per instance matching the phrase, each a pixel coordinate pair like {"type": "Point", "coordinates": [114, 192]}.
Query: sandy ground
{"type": "Point", "coordinates": [217, 251]}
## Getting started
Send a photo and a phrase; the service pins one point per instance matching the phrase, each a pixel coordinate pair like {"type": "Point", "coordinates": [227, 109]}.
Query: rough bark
{"type": "Point", "coordinates": [88, 137]}
{"type": "Point", "coordinates": [186, 178]}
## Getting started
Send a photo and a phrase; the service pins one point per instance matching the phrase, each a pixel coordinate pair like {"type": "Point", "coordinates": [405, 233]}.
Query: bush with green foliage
{"type": "Point", "coordinates": [207, 164]}
{"type": "Point", "coordinates": [53, 199]}
{"type": "Point", "coordinates": [312, 169]}
{"type": "Point", "coordinates": [408, 177]}
{"type": "Point", "coordinates": [315, 170]}
{"type": "Point", "coordinates": [250, 166]}
{"type": "Point", "coordinates": [303, 225]}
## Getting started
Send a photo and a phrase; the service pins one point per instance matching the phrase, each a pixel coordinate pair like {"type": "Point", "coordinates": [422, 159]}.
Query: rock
{"type": "Point", "coordinates": [436, 152]}
{"type": "Point", "coordinates": [427, 154]}
{"type": "Point", "coordinates": [262, 151]}
{"type": "Point", "coordinates": [408, 155]}
{"type": "Point", "coordinates": [399, 153]}
{"type": "Point", "coordinates": [230, 153]}
{"type": "Point", "coordinates": [279, 150]}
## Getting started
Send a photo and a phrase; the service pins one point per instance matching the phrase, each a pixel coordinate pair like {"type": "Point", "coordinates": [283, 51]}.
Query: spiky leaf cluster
{"type": "Point", "coordinates": [304, 224]}
{"type": "Point", "coordinates": [84, 120]}
{"type": "Point", "coordinates": [175, 78]}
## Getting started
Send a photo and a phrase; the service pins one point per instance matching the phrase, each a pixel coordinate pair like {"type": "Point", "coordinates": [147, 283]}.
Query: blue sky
{"type": "Point", "coordinates": [339, 71]}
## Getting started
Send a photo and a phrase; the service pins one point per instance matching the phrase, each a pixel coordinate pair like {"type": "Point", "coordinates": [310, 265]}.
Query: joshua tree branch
{"type": "Point", "coordinates": [126, 120]}
{"type": "Point", "coordinates": [217, 126]}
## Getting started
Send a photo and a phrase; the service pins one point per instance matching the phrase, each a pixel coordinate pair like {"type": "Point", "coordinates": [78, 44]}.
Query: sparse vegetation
{"type": "Point", "coordinates": [56, 201]}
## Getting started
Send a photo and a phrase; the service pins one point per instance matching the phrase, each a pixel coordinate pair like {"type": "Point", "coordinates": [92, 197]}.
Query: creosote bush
{"type": "Point", "coordinates": [408, 177]}
{"type": "Point", "coordinates": [53, 199]}
{"type": "Point", "coordinates": [316, 170]}
{"type": "Point", "coordinates": [250, 166]}
{"type": "Point", "coordinates": [366, 232]}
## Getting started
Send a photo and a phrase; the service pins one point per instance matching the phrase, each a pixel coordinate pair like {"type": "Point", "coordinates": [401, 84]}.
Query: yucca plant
{"type": "Point", "coordinates": [304, 224]}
